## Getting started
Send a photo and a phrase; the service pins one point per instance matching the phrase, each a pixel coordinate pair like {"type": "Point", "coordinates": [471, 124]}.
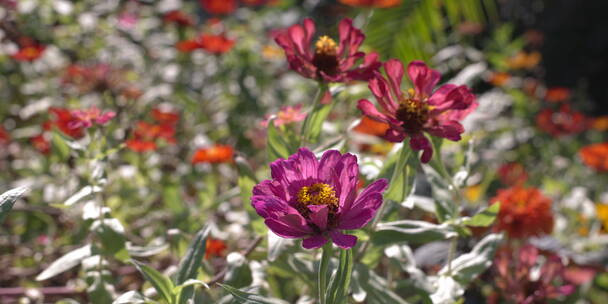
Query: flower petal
{"type": "Point", "coordinates": [314, 242]}
{"type": "Point", "coordinates": [370, 110]}
{"type": "Point", "coordinates": [289, 226]}
{"type": "Point", "coordinates": [423, 77]}
{"type": "Point", "coordinates": [394, 71]}
{"type": "Point", "coordinates": [318, 215]}
{"type": "Point", "coordinates": [344, 241]}
{"type": "Point", "coordinates": [420, 142]}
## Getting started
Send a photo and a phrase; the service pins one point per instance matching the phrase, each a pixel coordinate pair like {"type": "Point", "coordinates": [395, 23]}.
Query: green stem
{"type": "Point", "coordinates": [322, 275]}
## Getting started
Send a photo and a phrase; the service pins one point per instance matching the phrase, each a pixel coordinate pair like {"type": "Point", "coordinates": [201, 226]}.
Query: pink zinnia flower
{"type": "Point", "coordinates": [317, 199]}
{"type": "Point", "coordinates": [328, 61]}
{"type": "Point", "coordinates": [287, 115]}
{"type": "Point", "coordinates": [86, 118]}
{"type": "Point", "coordinates": [419, 110]}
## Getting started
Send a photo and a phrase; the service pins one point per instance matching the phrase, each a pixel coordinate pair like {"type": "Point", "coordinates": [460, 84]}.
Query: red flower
{"type": "Point", "coordinates": [216, 44]}
{"type": "Point", "coordinates": [187, 46]}
{"type": "Point", "coordinates": [66, 122]}
{"type": "Point", "coordinates": [420, 110]}
{"type": "Point", "coordinates": [215, 248]}
{"type": "Point", "coordinates": [562, 122]}
{"type": "Point", "coordinates": [219, 7]}
{"type": "Point", "coordinates": [595, 156]}
{"type": "Point", "coordinates": [86, 118]}
{"type": "Point", "coordinates": [5, 138]}
{"type": "Point", "coordinates": [165, 117]}
{"type": "Point", "coordinates": [371, 3]}
{"type": "Point", "coordinates": [139, 145]}
{"type": "Point", "coordinates": [524, 212]}
{"type": "Point", "coordinates": [512, 174]}
{"type": "Point", "coordinates": [213, 155]}
{"type": "Point", "coordinates": [328, 61]}
{"type": "Point", "coordinates": [146, 135]}
{"type": "Point", "coordinates": [178, 17]}
{"type": "Point", "coordinates": [29, 52]}
{"type": "Point", "coordinates": [41, 144]}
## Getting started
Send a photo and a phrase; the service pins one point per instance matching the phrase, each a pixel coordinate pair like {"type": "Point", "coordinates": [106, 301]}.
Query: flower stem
{"type": "Point", "coordinates": [322, 275]}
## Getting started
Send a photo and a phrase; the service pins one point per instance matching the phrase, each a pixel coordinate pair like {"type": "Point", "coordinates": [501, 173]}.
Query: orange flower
{"type": "Point", "coordinates": [29, 52]}
{"type": "Point", "coordinates": [595, 156]}
{"type": "Point", "coordinates": [512, 174]}
{"type": "Point", "coordinates": [557, 94]}
{"type": "Point", "coordinates": [524, 212]}
{"type": "Point", "coordinates": [371, 127]}
{"type": "Point", "coordinates": [499, 79]}
{"type": "Point", "coordinates": [219, 7]}
{"type": "Point", "coordinates": [600, 123]}
{"type": "Point", "coordinates": [216, 44]}
{"type": "Point", "coordinates": [563, 122]}
{"type": "Point", "coordinates": [214, 248]}
{"type": "Point", "coordinates": [139, 145]}
{"type": "Point", "coordinates": [213, 155]}
{"type": "Point", "coordinates": [523, 60]}
{"type": "Point", "coordinates": [371, 3]}
{"type": "Point", "coordinates": [165, 117]}
{"type": "Point", "coordinates": [146, 134]}
{"type": "Point", "coordinates": [178, 17]}
{"type": "Point", "coordinates": [41, 144]}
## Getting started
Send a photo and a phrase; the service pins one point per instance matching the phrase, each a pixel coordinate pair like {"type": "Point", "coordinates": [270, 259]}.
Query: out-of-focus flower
{"type": "Point", "coordinates": [86, 118]}
{"type": "Point", "coordinates": [5, 138]}
{"type": "Point", "coordinates": [66, 122]}
{"type": "Point", "coordinates": [328, 61]}
{"type": "Point", "coordinates": [316, 199]}
{"type": "Point", "coordinates": [213, 155]}
{"type": "Point", "coordinates": [146, 135]}
{"type": "Point", "coordinates": [98, 77]}
{"type": "Point", "coordinates": [595, 156]}
{"type": "Point", "coordinates": [523, 60]}
{"type": "Point", "coordinates": [419, 110]}
{"type": "Point", "coordinates": [470, 28]}
{"type": "Point", "coordinates": [214, 248]}
{"type": "Point", "coordinates": [524, 212]}
{"type": "Point", "coordinates": [165, 117]}
{"type": "Point", "coordinates": [41, 143]}
{"type": "Point", "coordinates": [287, 115]}
{"type": "Point", "coordinates": [271, 52]}
{"type": "Point", "coordinates": [602, 214]}
{"type": "Point", "coordinates": [557, 94]}
{"type": "Point", "coordinates": [216, 44]}
{"type": "Point", "coordinates": [127, 20]}
{"type": "Point", "coordinates": [512, 174]}
{"type": "Point", "coordinates": [499, 79]}
{"type": "Point", "coordinates": [29, 52]}
{"type": "Point", "coordinates": [178, 17]}
{"type": "Point", "coordinates": [516, 279]}
{"type": "Point", "coordinates": [219, 7]}
{"type": "Point", "coordinates": [599, 123]}
{"type": "Point", "coordinates": [371, 3]}
{"type": "Point", "coordinates": [473, 193]}
{"type": "Point", "coordinates": [534, 37]}
{"type": "Point", "coordinates": [563, 122]}
{"type": "Point", "coordinates": [371, 127]}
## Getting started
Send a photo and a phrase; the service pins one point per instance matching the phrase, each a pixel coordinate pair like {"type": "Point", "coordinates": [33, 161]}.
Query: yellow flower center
{"type": "Point", "coordinates": [326, 46]}
{"type": "Point", "coordinates": [318, 194]}
{"type": "Point", "coordinates": [413, 112]}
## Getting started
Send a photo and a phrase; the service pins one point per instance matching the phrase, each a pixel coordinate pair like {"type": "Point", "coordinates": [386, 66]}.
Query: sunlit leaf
{"type": "Point", "coordinates": [8, 199]}
{"type": "Point", "coordinates": [161, 283]}
{"type": "Point", "coordinates": [485, 217]}
{"type": "Point", "coordinates": [65, 262]}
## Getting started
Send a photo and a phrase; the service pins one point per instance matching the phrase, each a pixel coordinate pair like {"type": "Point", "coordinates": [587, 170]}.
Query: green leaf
{"type": "Point", "coordinates": [65, 262]}
{"type": "Point", "coordinates": [98, 291]}
{"type": "Point", "coordinates": [247, 179]}
{"type": "Point", "coordinates": [338, 287]}
{"type": "Point", "coordinates": [191, 262]}
{"type": "Point", "coordinates": [485, 217]}
{"type": "Point", "coordinates": [8, 199]}
{"type": "Point", "coordinates": [131, 297]}
{"type": "Point", "coordinates": [468, 266]}
{"type": "Point", "coordinates": [411, 231]}
{"type": "Point", "coordinates": [400, 183]}
{"type": "Point", "coordinates": [185, 291]}
{"type": "Point", "coordinates": [311, 128]}
{"type": "Point", "coordinates": [277, 146]}
{"type": "Point", "coordinates": [250, 298]}
{"type": "Point", "coordinates": [161, 283]}
{"type": "Point", "coordinates": [111, 234]}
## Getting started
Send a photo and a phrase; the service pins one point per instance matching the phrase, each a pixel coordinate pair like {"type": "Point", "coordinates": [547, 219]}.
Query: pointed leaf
{"type": "Point", "coordinates": [8, 199]}
{"type": "Point", "coordinates": [161, 283]}
{"type": "Point", "coordinates": [485, 217]}
{"type": "Point", "coordinates": [250, 298]}
{"type": "Point", "coordinates": [65, 262]}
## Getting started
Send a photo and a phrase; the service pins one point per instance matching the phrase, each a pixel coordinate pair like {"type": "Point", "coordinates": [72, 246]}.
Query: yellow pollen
{"type": "Point", "coordinates": [318, 194]}
{"type": "Point", "coordinates": [326, 46]}
{"type": "Point", "coordinates": [411, 92]}
{"type": "Point", "coordinates": [415, 107]}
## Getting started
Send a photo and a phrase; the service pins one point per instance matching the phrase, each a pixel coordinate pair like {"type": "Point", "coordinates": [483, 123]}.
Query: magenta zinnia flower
{"type": "Point", "coordinates": [316, 199]}
{"type": "Point", "coordinates": [328, 61]}
{"type": "Point", "coordinates": [420, 109]}
{"type": "Point", "coordinates": [86, 118]}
